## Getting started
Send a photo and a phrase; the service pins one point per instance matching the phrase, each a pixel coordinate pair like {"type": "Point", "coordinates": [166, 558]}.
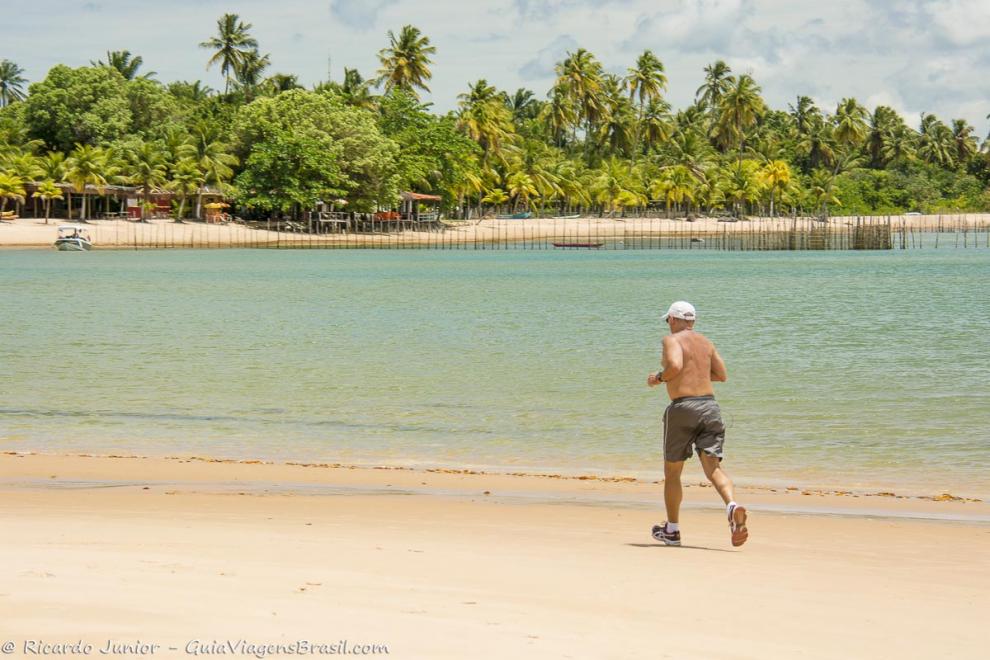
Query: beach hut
{"type": "Point", "coordinates": [411, 211]}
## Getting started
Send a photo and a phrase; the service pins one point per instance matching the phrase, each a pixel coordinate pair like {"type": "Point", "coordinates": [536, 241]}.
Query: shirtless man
{"type": "Point", "coordinates": [690, 364]}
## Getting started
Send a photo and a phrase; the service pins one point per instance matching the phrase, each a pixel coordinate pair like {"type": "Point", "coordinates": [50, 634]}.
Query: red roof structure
{"type": "Point", "coordinates": [420, 197]}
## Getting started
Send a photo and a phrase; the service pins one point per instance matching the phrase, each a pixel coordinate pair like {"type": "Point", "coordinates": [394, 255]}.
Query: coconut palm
{"type": "Point", "coordinates": [805, 113]}
{"type": "Point", "coordinates": [46, 192]}
{"type": "Point", "coordinates": [647, 79]}
{"type": "Point", "coordinates": [88, 166]}
{"type": "Point", "coordinates": [148, 169]}
{"type": "Point", "coordinates": [936, 144]}
{"type": "Point", "coordinates": [52, 166]}
{"type": "Point", "coordinates": [821, 191]}
{"type": "Point", "coordinates": [850, 123]}
{"type": "Point", "coordinates": [743, 185]}
{"type": "Point", "coordinates": [190, 92]}
{"type": "Point", "coordinates": [24, 164]}
{"type": "Point", "coordinates": [356, 90]}
{"type": "Point", "coordinates": [405, 62]}
{"type": "Point", "coordinates": [676, 185]}
{"type": "Point", "coordinates": [817, 146]}
{"type": "Point", "coordinates": [233, 45]}
{"type": "Point", "coordinates": [523, 105]}
{"type": "Point", "coordinates": [212, 156]}
{"type": "Point", "coordinates": [11, 187]}
{"type": "Point", "coordinates": [282, 82]}
{"type": "Point", "coordinates": [186, 180]}
{"type": "Point", "coordinates": [486, 119]}
{"type": "Point", "coordinates": [655, 124]}
{"type": "Point", "coordinates": [521, 188]}
{"type": "Point", "coordinates": [11, 83]}
{"type": "Point", "coordinates": [559, 115]}
{"type": "Point", "coordinates": [125, 63]}
{"type": "Point", "coordinates": [776, 176]}
{"type": "Point", "coordinates": [965, 141]}
{"type": "Point", "coordinates": [581, 77]}
{"type": "Point", "coordinates": [718, 81]}
{"type": "Point", "coordinates": [882, 123]}
{"type": "Point", "coordinates": [738, 111]}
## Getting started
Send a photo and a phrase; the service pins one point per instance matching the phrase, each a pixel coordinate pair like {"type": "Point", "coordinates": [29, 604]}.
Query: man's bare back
{"type": "Point", "coordinates": [690, 364]}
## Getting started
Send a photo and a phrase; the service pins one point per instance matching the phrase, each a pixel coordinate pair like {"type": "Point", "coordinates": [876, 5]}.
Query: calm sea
{"type": "Point", "coordinates": [858, 370]}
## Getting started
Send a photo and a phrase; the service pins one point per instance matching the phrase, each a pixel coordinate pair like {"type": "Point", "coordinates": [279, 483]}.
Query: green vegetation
{"type": "Point", "coordinates": [597, 142]}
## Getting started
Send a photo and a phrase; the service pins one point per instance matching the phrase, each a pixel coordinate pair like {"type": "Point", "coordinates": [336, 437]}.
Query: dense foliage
{"type": "Point", "coordinates": [598, 142]}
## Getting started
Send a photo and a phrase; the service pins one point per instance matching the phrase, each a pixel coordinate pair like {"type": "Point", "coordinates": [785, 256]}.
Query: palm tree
{"type": "Point", "coordinates": [739, 110]}
{"type": "Point", "coordinates": [148, 170]}
{"type": "Point", "coordinates": [850, 123]}
{"type": "Point", "coordinates": [190, 92]}
{"type": "Point", "coordinates": [936, 144]}
{"type": "Point", "coordinates": [233, 46]}
{"type": "Point", "coordinates": [581, 76]}
{"type": "Point", "coordinates": [776, 175]}
{"type": "Point", "coordinates": [406, 61]}
{"type": "Point", "coordinates": [523, 105]}
{"type": "Point", "coordinates": [127, 65]}
{"type": "Point", "coordinates": [46, 192]}
{"type": "Point", "coordinates": [821, 190]}
{"type": "Point", "coordinates": [52, 166]}
{"type": "Point", "coordinates": [11, 187]}
{"type": "Point", "coordinates": [646, 80]}
{"type": "Point", "coordinates": [521, 187]}
{"type": "Point", "coordinates": [282, 82]}
{"type": "Point", "coordinates": [675, 186]}
{"type": "Point", "coordinates": [742, 185]}
{"type": "Point", "coordinates": [805, 113]}
{"type": "Point", "coordinates": [882, 124]}
{"type": "Point", "coordinates": [11, 83]}
{"type": "Point", "coordinates": [966, 143]}
{"type": "Point", "coordinates": [717, 84]}
{"type": "Point", "coordinates": [187, 179]}
{"type": "Point", "coordinates": [486, 119]}
{"type": "Point", "coordinates": [655, 123]}
{"type": "Point", "coordinates": [212, 156]}
{"type": "Point", "coordinates": [559, 115]}
{"type": "Point", "coordinates": [87, 166]}
{"type": "Point", "coordinates": [252, 68]}
{"type": "Point", "coordinates": [356, 90]}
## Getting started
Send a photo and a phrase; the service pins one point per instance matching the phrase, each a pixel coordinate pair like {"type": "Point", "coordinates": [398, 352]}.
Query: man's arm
{"type": "Point", "coordinates": [718, 374]}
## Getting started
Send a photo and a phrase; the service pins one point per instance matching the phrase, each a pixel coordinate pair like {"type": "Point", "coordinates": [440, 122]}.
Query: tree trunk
{"type": "Point", "coordinates": [199, 203]}
{"type": "Point", "coordinates": [48, 207]}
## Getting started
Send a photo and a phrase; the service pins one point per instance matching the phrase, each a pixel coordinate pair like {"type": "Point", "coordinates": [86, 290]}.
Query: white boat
{"type": "Point", "coordinates": [73, 238]}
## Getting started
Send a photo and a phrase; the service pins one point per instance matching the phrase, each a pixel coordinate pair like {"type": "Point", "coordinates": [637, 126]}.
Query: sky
{"type": "Point", "coordinates": [914, 55]}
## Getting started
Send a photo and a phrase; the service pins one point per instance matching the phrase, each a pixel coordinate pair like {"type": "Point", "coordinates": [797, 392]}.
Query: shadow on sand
{"type": "Point", "coordinates": [682, 547]}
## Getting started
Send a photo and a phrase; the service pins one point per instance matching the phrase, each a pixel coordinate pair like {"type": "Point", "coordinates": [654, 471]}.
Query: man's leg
{"type": "Point", "coordinates": [713, 470]}
{"type": "Point", "coordinates": [672, 493]}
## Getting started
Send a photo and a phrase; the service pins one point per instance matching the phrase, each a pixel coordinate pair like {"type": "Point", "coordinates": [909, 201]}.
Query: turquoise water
{"type": "Point", "coordinates": [860, 370]}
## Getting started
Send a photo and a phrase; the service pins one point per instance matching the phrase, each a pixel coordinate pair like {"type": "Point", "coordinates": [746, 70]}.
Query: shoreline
{"type": "Point", "coordinates": [32, 233]}
{"type": "Point", "coordinates": [20, 469]}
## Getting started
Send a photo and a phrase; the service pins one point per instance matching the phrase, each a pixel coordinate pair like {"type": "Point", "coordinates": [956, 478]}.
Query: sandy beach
{"type": "Point", "coordinates": [122, 234]}
{"type": "Point", "coordinates": [443, 564]}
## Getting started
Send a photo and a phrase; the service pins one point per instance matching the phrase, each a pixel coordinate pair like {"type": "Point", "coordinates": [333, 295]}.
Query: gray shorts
{"type": "Point", "coordinates": [692, 420]}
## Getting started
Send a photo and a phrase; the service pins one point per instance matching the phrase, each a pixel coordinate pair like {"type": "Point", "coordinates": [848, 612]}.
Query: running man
{"type": "Point", "coordinates": [690, 363]}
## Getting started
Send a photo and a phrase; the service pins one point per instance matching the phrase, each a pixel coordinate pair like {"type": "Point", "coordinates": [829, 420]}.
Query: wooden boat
{"type": "Point", "coordinates": [526, 215]}
{"type": "Point", "coordinates": [578, 245]}
{"type": "Point", "coordinates": [566, 217]}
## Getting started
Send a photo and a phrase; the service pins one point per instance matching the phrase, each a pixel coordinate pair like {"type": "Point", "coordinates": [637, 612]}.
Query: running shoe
{"type": "Point", "coordinates": [660, 533]}
{"type": "Point", "coordinates": [737, 525]}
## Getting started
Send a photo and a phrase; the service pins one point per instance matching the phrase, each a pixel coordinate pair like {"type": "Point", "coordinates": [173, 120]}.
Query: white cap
{"type": "Point", "coordinates": [681, 310]}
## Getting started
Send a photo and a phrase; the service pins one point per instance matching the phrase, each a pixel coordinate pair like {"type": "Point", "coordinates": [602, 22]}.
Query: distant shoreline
{"type": "Point", "coordinates": [30, 233]}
